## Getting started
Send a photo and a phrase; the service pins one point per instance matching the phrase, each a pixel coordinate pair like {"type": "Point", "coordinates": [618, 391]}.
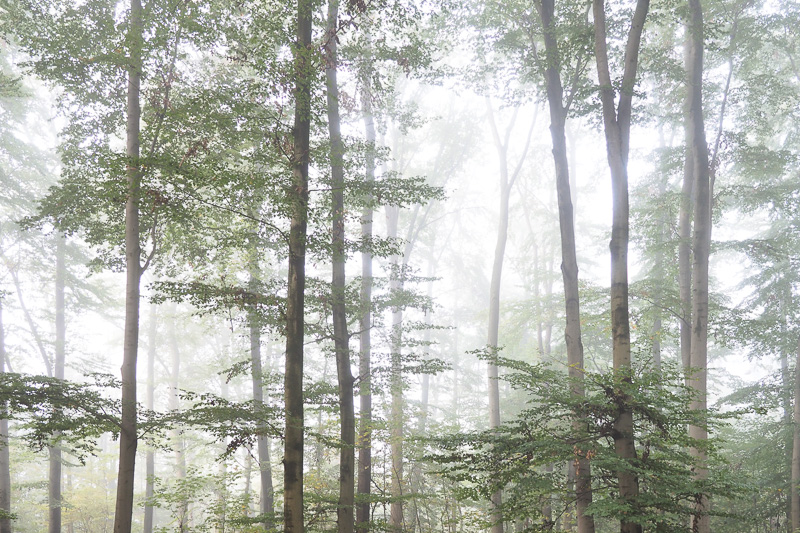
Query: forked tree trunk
{"type": "Point", "coordinates": [128, 439]}
{"type": "Point", "coordinates": [5, 462]}
{"type": "Point", "coordinates": [494, 307]}
{"type": "Point", "coordinates": [295, 300]}
{"type": "Point", "coordinates": [701, 245]}
{"type": "Point", "coordinates": [365, 323]}
{"type": "Point", "coordinates": [507, 180]}
{"type": "Point", "coordinates": [345, 516]}
{"type": "Point", "coordinates": [150, 459]}
{"type": "Point", "coordinates": [617, 123]}
{"type": "Point", "coordinates": [54, 477]}
{"type": "Point", "coordinates": [569, 260]}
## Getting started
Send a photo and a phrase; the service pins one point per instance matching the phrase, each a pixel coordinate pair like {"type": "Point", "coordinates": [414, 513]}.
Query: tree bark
{"type": "Point", "coordinates": [54, 478]}
{"type": "Point", "coordinates": [396, 422]}
{"type": "Point", "coordinates": [701, 245]}
{"type": "Point", "coordinates": [345, 516]}
{"type": "Point", "coordinates": [795, 492]}
{"type": "Point", "coordinates": [150, 459]}
{"type": "Point", "coordinates": [5, 461]}
{"type": "Point", "coordinates": [267, 502]}
{"type": "Point", "coordinates": [365, 323]}
{"type": "Point", "coordinates": [569, 260]}
{"type": "Point", "coordinates": [494, 305]}
{"type": "Point", "coordinates": [295, 301]}
{"type": "Point", "coordinates": [176, 434]}
{"type": "Point", "coordinates": [128, 427]}
{"type": "Point", "coordinates": [507, 180]}
{"type": "Point", "coordinates": [617, 123]}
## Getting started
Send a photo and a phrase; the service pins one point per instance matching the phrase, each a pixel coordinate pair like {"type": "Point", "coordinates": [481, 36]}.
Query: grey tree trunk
{"type": "Point", "coordinates": [507, 180]}
{"type": "Point", "coordinates": [365, 323]}
{"type": "Point", "coordinates": [54, 478]}
{"type": "Point", "coordinates": [267, 502]}
{"type": "Point", "coordinates": [795, 492]}
{"type": "Point", "coordinates": [617, 123]}
{"type": "Point", "coordinates": [569, 260]}
{"type": "Point", "coordinates": [5, 461]}
{"type": "Point", "coordinates": [494, 304]}
{"type": "Point", "coordinates": [701, 245]}
{"type": "Point", "coordinates": [295, 301]}
{"type": "Point", "coordinates": [150, 457]}
{"type": "Point", "coordinates": [396, 422]}
{"type": "Point", "coordinates": [345, 510]}
{"type": "Point", "coordinates": [128, 438]}
{"type": "Point", "coordinates": [175, 434]}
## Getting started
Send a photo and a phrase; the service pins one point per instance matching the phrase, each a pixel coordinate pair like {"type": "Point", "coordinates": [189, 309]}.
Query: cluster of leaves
{"type": "Point", "coordinates": [525, 457]}
{"type": "Point", "coordinates": [50, 410]}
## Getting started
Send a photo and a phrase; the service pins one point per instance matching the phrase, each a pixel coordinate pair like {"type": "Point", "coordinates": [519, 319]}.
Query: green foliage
{"type": "Point", "coordinates": [524, 457]}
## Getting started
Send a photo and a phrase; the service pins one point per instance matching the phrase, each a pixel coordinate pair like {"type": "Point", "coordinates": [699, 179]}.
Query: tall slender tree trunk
{"type": "Point", "coordinates": [507, 180]}
{"type": "Point", "coordinates": [365, 323]}
{"type": "Point", "coordinates": [5, 461]}
{"type": "Point", "coordinates": [494, 307]}
{"type": "Point", "coordinates": [617, 123]}
{"type": "Point", "coordinates": [150, 457]}
{"type": "Point", "coordinates": [795, 492]}
{"type": "Point", "coordinates": [295, 301]}
{"type": "Point", "coordinates": [569, 260]}
{"type": "Point", "coordinates": [128, 438]}
{"type": "Point", "coordinates": [54, 478]}
{"type": "Point", "coordinates": [685, 239]}
{"type": "Point", "coordinates": [267, 502]}
{"type": "Point", "coordinates": [345, 510]}
{"type": "Point", "coordinates": [396, 422]}
{"type": "Point", "coordinates": [176, 435]}
{"type": "Point", "coordinates": [701, 245]}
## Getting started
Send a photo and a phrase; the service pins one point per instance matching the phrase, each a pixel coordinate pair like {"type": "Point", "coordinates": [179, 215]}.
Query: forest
{"type": "Point", "coordinates": [399, 266]}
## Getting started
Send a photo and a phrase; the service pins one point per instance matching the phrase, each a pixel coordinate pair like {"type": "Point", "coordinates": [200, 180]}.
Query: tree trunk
{"type": "Point", "coordinates": [617, 123]}
{"type": "Point", "coordinates": [345, 509]}
{"type": "Point", "coordinates": [150, 459]}
{"type": "Point", "coordinates": [176, 434]}
{"type": "Point", "coordinates": [295, 300]}
{"type": "Point", "coordinates": [128, 438]}
{"type": "Point", "coordinates": [494, 306]}
{"type": "Point", "coordinates": [5, 462]}
{"type": "Point", "coordinates": [267, 505]}
{"type": "Point", "coordinates": [365, 324]}
{"type": "Point", "coordinates": [54, 478]}
{"type": "Point", "coordinates": [569, 260]}
{"type": "Point", "coordinates": [796, 447]}
{"type": "Point", "coordinates": [701, 245]}
{"type": "Point", "coordinates": [396, 422]}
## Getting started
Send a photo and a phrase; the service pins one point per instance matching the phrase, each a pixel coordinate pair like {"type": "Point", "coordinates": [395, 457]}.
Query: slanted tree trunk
{"type": "Point", "coordinates": [295, 300]}
{"type": "Point", "coordinates": [701, 245]}
{"type": "Point", "coordinates": [54, 478]}
{"type": "Point", "coordinates": [5, 461]}
{"type": "Point", "coordinates": [150, 458]}
{"type": "Point", "coordinates": [365, 323]}
{"type": "Point", "coordinates": [345, 516]}
{"type": "Point", "coordinates": [123, 514]}
{"type": "Point", "coordinates": [617, 123]}
{"type": "Point", "coordinates": [569, 260]}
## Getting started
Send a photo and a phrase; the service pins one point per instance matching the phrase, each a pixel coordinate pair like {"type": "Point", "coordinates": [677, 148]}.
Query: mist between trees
{"type": "Point", "coordinates": [404, 266]}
